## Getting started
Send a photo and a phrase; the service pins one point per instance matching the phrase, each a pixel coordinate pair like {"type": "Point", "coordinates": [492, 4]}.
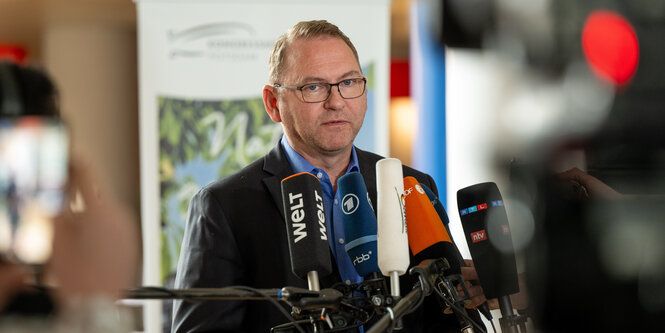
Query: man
{"type": "Point", "coordinates": [235, 233]}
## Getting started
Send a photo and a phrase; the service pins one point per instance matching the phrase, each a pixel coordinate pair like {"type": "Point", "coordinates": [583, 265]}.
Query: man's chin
{"type": "Point", "coordinates": [331, 149]}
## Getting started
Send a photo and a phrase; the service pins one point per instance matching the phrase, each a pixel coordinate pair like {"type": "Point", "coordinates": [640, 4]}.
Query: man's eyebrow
{"type": "Point", "coordinates": [350, 73]}
{"type": "Point", "coordinates": [311, 79]}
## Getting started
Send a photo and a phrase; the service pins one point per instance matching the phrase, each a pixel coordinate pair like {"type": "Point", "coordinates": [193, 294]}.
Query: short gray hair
{"type": "Point", "coordinates": [303, 30]}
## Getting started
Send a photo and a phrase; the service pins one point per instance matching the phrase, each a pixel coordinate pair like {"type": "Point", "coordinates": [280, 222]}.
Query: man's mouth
{"type": "Point", "coordinates": [335, 122]}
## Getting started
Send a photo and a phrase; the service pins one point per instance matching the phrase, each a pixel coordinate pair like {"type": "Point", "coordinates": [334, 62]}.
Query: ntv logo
{"type": "Point", "coordinates": [478, 236]}
{"type": "Point", "coordinates": [350, 204]}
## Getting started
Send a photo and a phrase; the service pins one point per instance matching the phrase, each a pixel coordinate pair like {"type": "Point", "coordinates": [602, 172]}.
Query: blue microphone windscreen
{"type": "Point", "coordinates": [359, 223]}
{"type": "Point", "coordinates": [438, 206]}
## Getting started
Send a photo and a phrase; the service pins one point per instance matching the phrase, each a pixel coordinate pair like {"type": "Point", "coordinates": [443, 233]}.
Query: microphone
{"type": "Point", "coordinates": [438, 206]}
{"type": "Point", "coordinates": [360, 232]}
{"type": "Point", "coordinates": [359, 223]}
{"type": "Point", "coordinates": [429, 239]}
{"type": "Point", "coordinates": [306, 228]}
{"type": "Point", "coordinates": [483, 308]}
{"type": "Point", "coordinates": [487, 233]}
{"type": "Point", "coordinates": [392, 238]}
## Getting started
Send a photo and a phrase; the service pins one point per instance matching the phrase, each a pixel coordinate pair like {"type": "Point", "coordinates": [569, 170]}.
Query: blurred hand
{"type": "Point", "coordinates": [520, 300]}
{"type": "Point", "coordinates": [593, 186]}
{"type": "Point", "coordinates": [475, 290]}
{"type": "Point", "coordinates": [95, 248]}
{"type": "Point", "coordinates": [13, 279]}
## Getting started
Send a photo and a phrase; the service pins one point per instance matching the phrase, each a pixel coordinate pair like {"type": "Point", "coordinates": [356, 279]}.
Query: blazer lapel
{"type": "Point", "coordinates": [367, 165]}
{"type": "Point", "coordinates": [276, 165]}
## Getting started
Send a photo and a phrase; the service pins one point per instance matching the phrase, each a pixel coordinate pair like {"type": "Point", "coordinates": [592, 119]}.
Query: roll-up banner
{"type": "Point", "coordinates": [202, 67]}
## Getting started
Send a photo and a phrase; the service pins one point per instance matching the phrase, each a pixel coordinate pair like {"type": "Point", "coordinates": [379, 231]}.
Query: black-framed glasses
{"type": "Point", "coordinates": [319, 92]}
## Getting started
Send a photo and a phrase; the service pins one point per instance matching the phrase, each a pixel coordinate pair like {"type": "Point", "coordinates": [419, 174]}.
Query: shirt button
{"type": "Point", "coordinates": [335, 201]}
{"type": "Point", "coordinates": [320, 175]}
{"type": "Point", "coordinates": [348, 282]}
{"type": "Point", "coordinates": [341, 240]}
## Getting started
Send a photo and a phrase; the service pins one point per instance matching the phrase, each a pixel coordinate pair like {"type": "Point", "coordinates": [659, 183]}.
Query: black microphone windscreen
{"type": "Point", "coordinates": [487, 233]}
{"type": "Point", "coordinates": [306, 225]}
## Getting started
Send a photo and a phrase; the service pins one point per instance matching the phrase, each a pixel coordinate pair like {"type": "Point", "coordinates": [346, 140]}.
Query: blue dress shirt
{"type": "Point", "coordinates": [332, 209]}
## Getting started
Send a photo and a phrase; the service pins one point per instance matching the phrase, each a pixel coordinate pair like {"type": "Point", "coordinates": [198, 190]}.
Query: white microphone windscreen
{"type": "Point", "coordinates": [393, 241]}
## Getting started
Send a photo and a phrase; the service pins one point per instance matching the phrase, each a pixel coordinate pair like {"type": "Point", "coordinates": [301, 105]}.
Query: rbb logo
{"type": "Point", "coordinates": [478, 236]}
{"type": "Point", "coordinates": [361, 258]}
{"type": "Point", "coordinates": [350, 203]}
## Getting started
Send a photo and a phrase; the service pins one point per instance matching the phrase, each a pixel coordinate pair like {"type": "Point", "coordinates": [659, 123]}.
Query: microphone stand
{"type": "Point", "coordinates": [320, 308]}
{"type": "Point", "coordinates": [374, 287]}
{"type": "Point", "coordinates": [455, 303]}
{"type": "Point", "coordinates": [430, 276]}
{"type": "Point", "coordinates": [227, 293]}
{"type": "Point", "coordinates": [446, 288]}
{"type": "Point", "coordinates": [509, 321]}
{"type": "Point", "coordinates": [425, 270]}
{"type": "Point", "coordinates": [405, 303]}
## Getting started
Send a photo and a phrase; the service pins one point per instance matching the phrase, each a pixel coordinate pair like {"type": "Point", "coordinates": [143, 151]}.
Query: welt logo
{"type": "Point", "coordinates": [478, 236]}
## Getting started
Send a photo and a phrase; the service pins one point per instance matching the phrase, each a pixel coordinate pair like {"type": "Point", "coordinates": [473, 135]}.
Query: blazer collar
{"type": "Point", "coordinates": [367, 165]}
{"type": "Point", "coordinates": [277, 167]}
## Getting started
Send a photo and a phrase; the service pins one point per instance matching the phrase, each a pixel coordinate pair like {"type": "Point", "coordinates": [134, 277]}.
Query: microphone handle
{"type": "Point", "coordinates": [394, 284]}
{"type": "Point", "coordinates": [313, 281]}
{"type": "Point", "coordinates": [507, 315]}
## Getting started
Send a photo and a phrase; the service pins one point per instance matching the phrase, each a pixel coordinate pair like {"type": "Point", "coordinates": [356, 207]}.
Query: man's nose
{"type": "Point", "coordinates": [335, 100]}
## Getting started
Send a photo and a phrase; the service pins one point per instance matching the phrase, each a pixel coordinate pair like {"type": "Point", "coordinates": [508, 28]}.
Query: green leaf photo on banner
{"type": "Point", "coordinates": [201, 141]}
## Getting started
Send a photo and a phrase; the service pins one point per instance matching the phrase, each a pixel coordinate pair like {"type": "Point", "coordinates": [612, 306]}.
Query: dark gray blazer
{"type": "Point", "coordinates": [235, 235]}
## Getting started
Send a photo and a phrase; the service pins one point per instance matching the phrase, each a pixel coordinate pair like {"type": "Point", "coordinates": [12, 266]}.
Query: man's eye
{"type": "Point", "coordinates": [348, 82]}
{"type": "Point", "coordinates": [313, 87]}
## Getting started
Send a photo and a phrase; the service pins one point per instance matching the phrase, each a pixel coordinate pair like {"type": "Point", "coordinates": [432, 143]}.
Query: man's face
{"type": "Point", "coordinates": [327, 127]}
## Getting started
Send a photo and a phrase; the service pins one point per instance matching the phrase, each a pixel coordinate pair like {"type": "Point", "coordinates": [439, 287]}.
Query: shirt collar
{"type": "Point", "coordinates": [300, 164]}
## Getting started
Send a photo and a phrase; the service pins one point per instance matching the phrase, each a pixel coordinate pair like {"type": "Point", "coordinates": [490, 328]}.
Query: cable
{"type": "Point", "coordinates": [459, 311]}
{"type": "Point", "coordinates": [166, 291]}
{"type": "Point", "coordinates": [422, 296]}
{"type": "Point", "coordinates": [493, 327]}
{"type": "Point", "coordinates": [275, 303]}
{"type": "Point", "coordinates": [357, 312]}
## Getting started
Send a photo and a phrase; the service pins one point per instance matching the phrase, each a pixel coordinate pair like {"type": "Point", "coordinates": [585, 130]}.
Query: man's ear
{"type": "Point", "coordinates": [270, 103]}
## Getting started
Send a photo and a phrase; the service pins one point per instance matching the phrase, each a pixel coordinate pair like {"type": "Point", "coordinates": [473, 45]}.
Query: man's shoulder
{"type": "Point", "coordinates": [251, 173]}
{"type": "Point", "coordinates": [370, 158]}
{"type": "Point", "coordinates": [367, 162]}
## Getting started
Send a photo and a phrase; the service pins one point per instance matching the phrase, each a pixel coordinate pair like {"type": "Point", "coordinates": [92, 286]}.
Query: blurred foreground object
{"type": "Point", "coordinates": [95, 242]}
{"type": "Point", "coordinates": [584, 79]}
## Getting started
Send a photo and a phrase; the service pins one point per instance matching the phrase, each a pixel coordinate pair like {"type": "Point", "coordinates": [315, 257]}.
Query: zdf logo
{"type": "Point", "coordinates": [350, 204]}
{"type": "Point", "coordinates": [408, 191]}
